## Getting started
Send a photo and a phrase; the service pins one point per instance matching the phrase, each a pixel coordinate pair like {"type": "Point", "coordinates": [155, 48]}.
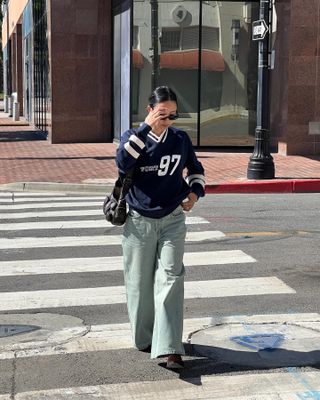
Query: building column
{"type": "Point", "coordinates": [13, 63]}
{"type": "Point", "coordinates": [80, 53]}
{"type": "Point", "coordinates": [18, 65]}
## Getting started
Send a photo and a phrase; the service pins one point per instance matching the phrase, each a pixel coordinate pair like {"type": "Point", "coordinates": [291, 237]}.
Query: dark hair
{"type": "Point", "coordinates": [161, 94]}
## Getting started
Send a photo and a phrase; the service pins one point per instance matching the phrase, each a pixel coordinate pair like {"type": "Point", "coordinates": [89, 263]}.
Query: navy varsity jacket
{"type": "Point", "coordinates": [158, 183]}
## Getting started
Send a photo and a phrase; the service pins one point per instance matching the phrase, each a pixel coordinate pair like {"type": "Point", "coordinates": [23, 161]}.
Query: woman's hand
{"type": "Point", "coordinates": [188, 205]}
{"type": "Point", "coordinates": [154, 116]}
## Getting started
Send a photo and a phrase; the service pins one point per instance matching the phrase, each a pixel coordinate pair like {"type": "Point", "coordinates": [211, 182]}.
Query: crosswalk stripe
{"type": "Point", "coordinates": [20, 199]}
{"type": "Point", "coordinates": [105, 264]}
{"type": "Point", "coordinates": [96, 240]}
{"type": "Point", "coordinates": [263, 386]}
{"type": "Point", "coordinates": [48, 214]}
{"type": "Point", "coordinates": [32, 194]}
{"type": "Point", "coordinates": [61, 213]}
{"type": "Point", "coordinates": [118, 336]}
{"type": "Point", "coordinates": [81, 224]}
{"type": "Point", "coordinates": [101, 338]}
{"type": "Point", "coordinates": [116, 294]}
{"type": "Point", "coordinates": [14, 206]}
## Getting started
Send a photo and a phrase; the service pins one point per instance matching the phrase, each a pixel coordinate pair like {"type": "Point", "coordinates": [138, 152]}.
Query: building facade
{"type": "Point", "coordinates": [58, 61]}
{"type": "Point", "coordinates": [83, 69]}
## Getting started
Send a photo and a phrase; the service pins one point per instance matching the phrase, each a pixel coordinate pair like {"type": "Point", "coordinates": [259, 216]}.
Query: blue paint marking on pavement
{"type": "Point", "coordinates": [311, 394]}
{"type": "Point", "coordinates": [260, 341]}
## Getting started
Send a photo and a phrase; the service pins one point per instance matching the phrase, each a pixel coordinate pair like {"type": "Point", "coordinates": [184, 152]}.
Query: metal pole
{"type": "Point", "coordinates": [154, 43]}
{"type": "Point", "coordinates": [261, 165]}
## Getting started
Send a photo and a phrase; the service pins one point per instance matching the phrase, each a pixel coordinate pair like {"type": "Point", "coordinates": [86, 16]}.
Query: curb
{"type": "Point", "coordinates": [288, 186]}
{"type": "Point", "coordinates": [256, 187]}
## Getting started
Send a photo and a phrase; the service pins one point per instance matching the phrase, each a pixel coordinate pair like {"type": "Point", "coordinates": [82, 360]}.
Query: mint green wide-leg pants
{"type": "Point", "coordinates": [154, 277]}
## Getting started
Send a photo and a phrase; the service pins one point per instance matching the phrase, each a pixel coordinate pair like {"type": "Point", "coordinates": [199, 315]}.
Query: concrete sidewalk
{"type": "Point", "coordinates": [91, 166]}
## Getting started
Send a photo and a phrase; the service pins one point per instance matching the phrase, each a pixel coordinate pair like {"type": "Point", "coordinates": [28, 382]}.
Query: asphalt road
{"type": "Point", "coordinates": [280, 232]}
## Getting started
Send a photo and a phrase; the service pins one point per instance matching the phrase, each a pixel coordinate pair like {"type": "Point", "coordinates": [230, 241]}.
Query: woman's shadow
{"type": "Point", "coordinates": [208, 360]}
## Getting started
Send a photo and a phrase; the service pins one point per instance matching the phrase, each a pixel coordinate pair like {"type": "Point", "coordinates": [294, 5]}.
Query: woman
{"type": "Point", "coordinates": [154, 233]}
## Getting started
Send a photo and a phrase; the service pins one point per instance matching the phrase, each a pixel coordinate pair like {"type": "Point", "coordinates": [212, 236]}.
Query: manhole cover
{"type": "Point", "coordinates": [269, 345]}
{"type": "Point", "coordinates": [11, 330]}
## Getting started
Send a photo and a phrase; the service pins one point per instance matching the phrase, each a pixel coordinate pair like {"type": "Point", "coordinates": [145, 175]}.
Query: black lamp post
{"type": "Point", "coordinates": [154, 43]}
{"type": "Point", "coordinates": [261, 165]}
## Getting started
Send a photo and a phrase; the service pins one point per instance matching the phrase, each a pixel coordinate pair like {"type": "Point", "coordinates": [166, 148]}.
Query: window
{"type": "Point", "coordinates": [170, 39]}
{"type": "Point", "coordinates": [210, 38]}
{"type": "Point", "coordinates": [135, 37]}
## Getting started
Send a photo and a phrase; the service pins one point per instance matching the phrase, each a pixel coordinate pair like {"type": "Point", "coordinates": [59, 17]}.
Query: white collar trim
{"type": "Point", "coordinates": [156, 138]}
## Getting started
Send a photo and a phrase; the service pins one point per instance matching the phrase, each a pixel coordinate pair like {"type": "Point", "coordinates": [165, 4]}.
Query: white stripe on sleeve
{"type": "Point", "coordinates": [198, 181]}
{"type": "Point", "coordinates": [195, 176]}
{"type": "Point", "coordinates": [137, 141]}
{"type": "Point", "coordinates": [131, 150]}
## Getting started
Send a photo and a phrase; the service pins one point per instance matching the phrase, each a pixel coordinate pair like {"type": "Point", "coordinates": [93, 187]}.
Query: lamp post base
{"type": "Point", "coordinates": [261, 168]}
{"type": "Point", "coordinates": [261, 165]}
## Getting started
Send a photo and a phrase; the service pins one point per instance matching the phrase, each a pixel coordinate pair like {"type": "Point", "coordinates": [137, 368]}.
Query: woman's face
{"type": "Point", "coordinates": [168, 108]}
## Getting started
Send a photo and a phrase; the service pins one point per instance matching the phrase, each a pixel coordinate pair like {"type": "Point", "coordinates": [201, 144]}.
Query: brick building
{"type": "Point", "coordinates": [82, 69]}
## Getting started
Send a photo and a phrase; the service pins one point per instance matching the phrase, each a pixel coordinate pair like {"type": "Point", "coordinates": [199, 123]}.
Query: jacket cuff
{"type": "Point", "coordinates": [198, 189]}
{"type": "Point", "coordinates": [143, 130]}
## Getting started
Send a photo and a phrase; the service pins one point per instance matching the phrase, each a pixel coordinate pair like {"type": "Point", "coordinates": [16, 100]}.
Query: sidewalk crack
{"type": "Point", "coordinates": [13, 378]}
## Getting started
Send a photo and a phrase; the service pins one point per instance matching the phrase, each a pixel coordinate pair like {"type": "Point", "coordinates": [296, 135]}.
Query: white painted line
{"type": "Point", "coordinates": [48, 214]}
{"type": "Point", "coordinates": [105, 264]}
{"type": "Point", "coordinates": [81, 224]}
{"type": "Point", "coordinates": [116, 294]}
{"type": "Point", "coordinates": [263, 386]}
{"type": "Point", "coordinates": [96, 240]}
{"type": "Point", "coordinates": [30, 194]}
{"type": "Point", "coordinates": [103, 338]}
{"type": "Point", "coordinates": [118, 336]}
{"type": "Point", "coordinates": [20, 199]}
{"type": "Point", "coordinates": [50, 225]}
{"type": "Point", "coordinates": [266, 318]}
{"type": "Point", "coordinates": [15, 206]}
{"type": "Point", "coordinates": [61, 241]}
{"type": "Point", "coordinates": [204, 235]}
{"type": "Point", "coordinates": [196, 220]}
{"type": "Point", "coordinates": [217, 257]}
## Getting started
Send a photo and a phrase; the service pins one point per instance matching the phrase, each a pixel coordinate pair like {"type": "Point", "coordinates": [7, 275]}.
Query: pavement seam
{"type": "Point", "coordinates": [13, 378]}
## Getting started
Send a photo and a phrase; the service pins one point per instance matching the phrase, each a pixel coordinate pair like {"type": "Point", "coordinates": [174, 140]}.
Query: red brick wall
{"type": "Point", "coordinates": [296, 78]}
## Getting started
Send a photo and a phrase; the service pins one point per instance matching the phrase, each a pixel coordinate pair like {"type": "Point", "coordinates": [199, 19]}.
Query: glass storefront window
{"type": "Point", "coordinates": [204, 52]}
{"type": "Point", "coordinates": [177, 61]}
{"type": "Point", "coordinates": [228, 74]}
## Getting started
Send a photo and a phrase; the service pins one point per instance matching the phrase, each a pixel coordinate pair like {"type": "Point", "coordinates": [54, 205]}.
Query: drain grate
{"type": "Point", "coordinates": [12, 330]}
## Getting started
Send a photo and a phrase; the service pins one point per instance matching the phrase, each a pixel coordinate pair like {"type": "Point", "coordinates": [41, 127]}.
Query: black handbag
{"type": "Point", "coordinates": [114, 205]}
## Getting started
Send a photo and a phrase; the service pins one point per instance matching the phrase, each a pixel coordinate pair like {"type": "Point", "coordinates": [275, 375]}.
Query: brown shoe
{"type": "Point", "coordinates": [174, 361]}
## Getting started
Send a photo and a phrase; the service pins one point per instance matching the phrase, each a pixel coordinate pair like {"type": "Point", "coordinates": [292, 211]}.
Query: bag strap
{"type": "Point", "coordinates": [126, 184]}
